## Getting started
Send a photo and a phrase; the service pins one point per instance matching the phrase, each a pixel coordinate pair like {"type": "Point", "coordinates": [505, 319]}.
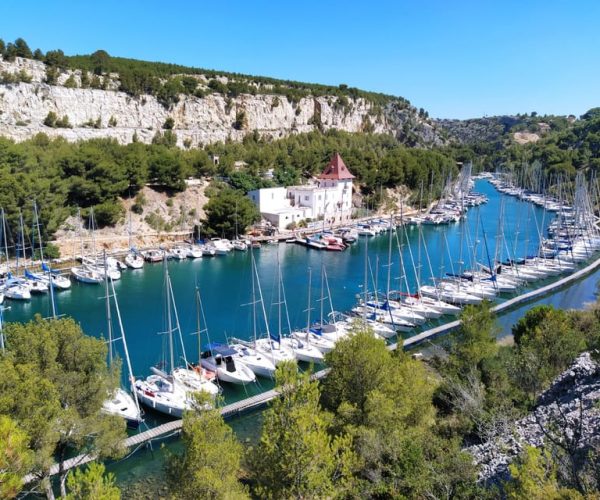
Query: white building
{"type": "Point", "coordinates": [330, 199]}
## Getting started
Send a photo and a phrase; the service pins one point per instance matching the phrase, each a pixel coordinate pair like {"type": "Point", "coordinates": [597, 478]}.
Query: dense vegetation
{"type": "Point", "coordinates": [62, 176]}
{"type": "Point", "coordinates": [380, 425]}
{"type": "Point", "coordinates": [167, 81]}
{"type": "Point", "coordinates": [567, 146]}
{"type": "Point", "coordinates": [54, 381]}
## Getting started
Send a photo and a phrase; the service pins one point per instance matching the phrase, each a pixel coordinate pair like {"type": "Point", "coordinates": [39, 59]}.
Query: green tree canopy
{"type": "Point", "coordinates": [227, 211]}
{"type": "Point", "coordinates": [92, 484]}
{"type": "Point", "coordinates": [296, 456]}
{"type": "Point", "coordinates": [15, 457]}
{"type": "Point", "coordinates": [55, 380]}
{"type": "Point", "coordinates": [210, 463]}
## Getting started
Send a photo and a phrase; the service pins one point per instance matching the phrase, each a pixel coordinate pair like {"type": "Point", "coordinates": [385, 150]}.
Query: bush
{"type": "Point", "coordinates": [108, 213]}
{"type": "Point", "coordinates": [169, 124]}
{"type": "Point", "coordinates": [112, 122]}
{"type": "Point", "coordinates": [70, 82]}
{"type": "Point", "coordinates": [50, 120]}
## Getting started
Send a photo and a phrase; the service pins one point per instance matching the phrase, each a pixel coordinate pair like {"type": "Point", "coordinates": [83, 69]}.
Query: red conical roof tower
{"type": "Point", "coordinates": [336, 169]}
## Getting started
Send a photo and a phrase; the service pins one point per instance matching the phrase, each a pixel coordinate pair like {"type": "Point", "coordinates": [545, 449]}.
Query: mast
{"type": "Point", "coordinates": [308, 309]}
{"type": "Point", "coordinates": [108, 314]}
{"type": "Point", "coordinates": [366, 282]}
{"type": "Point", "coordinates": [254, 320]}
{"type": "Point", "coordinates": [5, 240]}
{"type": "Point", "coordinates": [389, 266]}
{"type": "Point", "coordinates": [169, 319]}
{"type": "Point", "coordinates": [22, 244]}
{"type": "Point", "coordinates": [125, 349]}
{"type": "Point", "coordinates": [198, 325]}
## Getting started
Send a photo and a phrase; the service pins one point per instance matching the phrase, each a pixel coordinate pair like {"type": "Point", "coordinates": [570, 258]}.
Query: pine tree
{"type": "Point", "coordinates": [210, 463]}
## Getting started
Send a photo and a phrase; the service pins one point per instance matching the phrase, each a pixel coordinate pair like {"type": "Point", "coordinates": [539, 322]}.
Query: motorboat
{"type": "Point", "coordinates": [121, 404]}
{"type": "Point", "coordinates": [163, 395]}
{"type": "Point", "coordinates": [254, 360]}
{"type": "Point", "coordinates": [220, 358]}
{"type": "Point", "coordinates": [134, 260]}
{"type": "Point", "coordinates": [153, 255]}
{"type": "Point", "coordinates": [194, 252]}
{"type": "Point", "coordinates": [303, 350]}
{"type": "Point", "coordinates": [86, 275]}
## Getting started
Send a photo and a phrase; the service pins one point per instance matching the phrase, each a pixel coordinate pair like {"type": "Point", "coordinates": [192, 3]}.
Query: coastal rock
{"type": "Point", "coordinates": [197, 121]}
{"type": "Point", "coordinates": [571, 401]}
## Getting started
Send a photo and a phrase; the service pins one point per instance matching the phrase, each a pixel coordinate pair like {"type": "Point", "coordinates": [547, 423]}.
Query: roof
{"type": "Point", "coordinates": [336, 169]}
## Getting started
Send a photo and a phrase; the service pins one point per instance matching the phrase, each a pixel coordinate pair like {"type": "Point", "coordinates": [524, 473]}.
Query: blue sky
{"type": "Point", "coordinates": [457, 59]}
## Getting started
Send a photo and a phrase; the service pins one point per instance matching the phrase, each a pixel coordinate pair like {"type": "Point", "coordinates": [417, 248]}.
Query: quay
{"type": "Point", "coordinates": [174, 428]}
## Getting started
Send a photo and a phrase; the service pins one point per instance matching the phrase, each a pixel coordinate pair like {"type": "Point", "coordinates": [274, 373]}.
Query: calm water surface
{"type": "Point", "coordinates": [225, 284]}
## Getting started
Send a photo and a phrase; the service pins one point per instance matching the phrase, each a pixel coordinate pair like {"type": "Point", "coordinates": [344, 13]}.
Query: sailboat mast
{"type": "Point", "coordinates": [366, 282]}
{"type": "Point", "coordinates": [108, 315]}
{"type": "Point", "coordinates": [39, 232]}
{"type": "Point", "coordinates": [253, 298]}
{"type": "Point", "coordinates": [389, 270]}
{"type": "Point", "coordinates": [198, 325]}
{"type": "Point", "coordinates": [169, 319]}
{"type": "Point", "coordinates": [322, 299]}
{"type": "Point", "coordinates": [308, 302]}
{"type": "Point", "coordinates": [5, 240]}
{"type": "Point", "coordinates": [278, 297]}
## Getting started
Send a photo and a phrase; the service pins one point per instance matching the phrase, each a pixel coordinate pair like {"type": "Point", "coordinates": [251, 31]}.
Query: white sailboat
{"type": "Point", "coordinates": [120, 403]}
{"type": "Point", "coordinates": [219, 359]}
{"type": "Point", "coordinates": [269, 346]}
{"type": "Point", "coordinates": [133, 259]}
{"type": "Point", "coordinates": [322, 343]}
{"type": "Point", "coordinates": [161, 391]}
{"type": "Point", "coordinates": [303, 349]}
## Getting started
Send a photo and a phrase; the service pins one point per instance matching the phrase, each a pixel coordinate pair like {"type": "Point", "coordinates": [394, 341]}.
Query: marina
{"type": "Point", "coordinates": [378, 277]}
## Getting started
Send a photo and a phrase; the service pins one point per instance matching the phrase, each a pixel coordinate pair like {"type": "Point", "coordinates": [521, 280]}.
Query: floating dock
{"type": "Point", "coordinates": [259, 400]}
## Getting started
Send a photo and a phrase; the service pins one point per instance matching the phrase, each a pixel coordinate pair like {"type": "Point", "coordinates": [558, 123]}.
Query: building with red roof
{"type": "Point", "coordinates": [329, 199]}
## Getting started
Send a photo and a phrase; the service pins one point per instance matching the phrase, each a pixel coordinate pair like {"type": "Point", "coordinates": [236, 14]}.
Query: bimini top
{"type": "Point", "coordinates": [336, 169]}
{"type": "Point", "coordinates": [222, 349]}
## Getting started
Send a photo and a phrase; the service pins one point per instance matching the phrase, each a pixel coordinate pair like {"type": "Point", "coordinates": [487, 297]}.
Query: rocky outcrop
{"type": "Point", "coordinates": [492, 129]}
{"type": "Point", "coordinates": [568, 411]}
{"type": "Point", "coordinates": [94, 113]}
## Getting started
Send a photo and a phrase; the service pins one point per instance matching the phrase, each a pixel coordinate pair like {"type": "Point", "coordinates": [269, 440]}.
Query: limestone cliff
{"type": "Point", "coordinates": [94, 113]}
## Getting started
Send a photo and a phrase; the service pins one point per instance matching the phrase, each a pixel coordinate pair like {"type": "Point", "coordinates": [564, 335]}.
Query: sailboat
{"type": "Point", "coordinates": [161, 391]}
{"type": "Point", "coordinates": [319, 341]}
{"type": "Point", "coordinates": [120, 402]}
{"type": "Point", "coordinates": [217, 358]}
{"type": "Point", "coordinates": [302, 349]}
{"type": "Point", "coordinates": [133, 259]}
{"type": "Point", "coordinates": [47, 276]}
{"type": "Point", "coordinates": [83, 273]}
{"type": "Point", "coordinates": [13, 288]}
{"type": "Point", "coordinates": [269, 346]}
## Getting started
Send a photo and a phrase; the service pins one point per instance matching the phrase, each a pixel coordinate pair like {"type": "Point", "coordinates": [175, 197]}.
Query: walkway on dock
{"type": "Point", "coordinates": [259, 400]}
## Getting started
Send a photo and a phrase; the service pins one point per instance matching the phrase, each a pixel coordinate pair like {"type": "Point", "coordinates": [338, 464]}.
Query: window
{"type": "Point", "coordinates": [306, 198]}
{"type": "Point", "coordinates": [272, 196]}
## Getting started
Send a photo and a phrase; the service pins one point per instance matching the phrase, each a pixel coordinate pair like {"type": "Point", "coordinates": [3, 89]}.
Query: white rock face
{"type": "Point", "coordinates": [198, 121]}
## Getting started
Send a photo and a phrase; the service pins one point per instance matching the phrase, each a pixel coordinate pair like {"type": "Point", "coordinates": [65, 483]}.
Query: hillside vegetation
{"type": "Point", "coordinates": [62, 176]}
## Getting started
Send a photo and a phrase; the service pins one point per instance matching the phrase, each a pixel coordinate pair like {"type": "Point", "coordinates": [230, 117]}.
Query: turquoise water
{"type": "Point", "coordinates": [225, 282]}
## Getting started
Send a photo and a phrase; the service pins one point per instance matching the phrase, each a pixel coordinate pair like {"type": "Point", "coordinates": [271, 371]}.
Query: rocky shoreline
{"type": "Point", "coordinates": [566, 413]}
